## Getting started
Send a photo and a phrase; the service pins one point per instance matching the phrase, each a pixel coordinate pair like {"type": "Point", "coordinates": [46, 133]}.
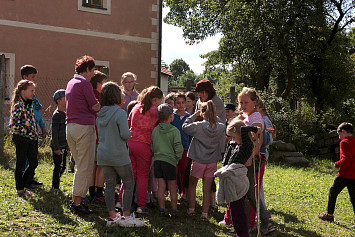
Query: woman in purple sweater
{"type": "Point", "coordinates": [81, 137]}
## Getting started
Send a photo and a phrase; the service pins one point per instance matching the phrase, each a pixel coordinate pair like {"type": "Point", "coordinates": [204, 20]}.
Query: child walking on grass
{"type": "Point", "coordinates": [205, 150]}
{"type": "Point", "coordinates": [24, 134]}
{"type": "Point", "coordinates": [112, 155]}
{"type": "Point", "coordinates": [346, 174]}
{"type": "Point", "coordinates": [59, 143]}
{"type": "Point", "coordinates": [233, 183]}
{"type": "Point", "coordinates": [167, 150]}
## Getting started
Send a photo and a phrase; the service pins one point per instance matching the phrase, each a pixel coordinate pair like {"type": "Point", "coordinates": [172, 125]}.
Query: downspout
{"type": "Point", "coordinates": [160, 41]}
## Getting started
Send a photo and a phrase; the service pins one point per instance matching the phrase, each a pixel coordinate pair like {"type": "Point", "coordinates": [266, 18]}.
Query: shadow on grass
{"type": "Point", "coordinates": [287, 229]}
{"type": "Point", "coordinates": [183, 225]}
{"type": "Point", "coordinates": [51, 203]}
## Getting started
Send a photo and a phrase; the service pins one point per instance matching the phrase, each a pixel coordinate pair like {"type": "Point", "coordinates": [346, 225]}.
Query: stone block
{"type": "Point", "coordinates": [296, 161]}
{"type": "Point", "coordinates": [282, 146]}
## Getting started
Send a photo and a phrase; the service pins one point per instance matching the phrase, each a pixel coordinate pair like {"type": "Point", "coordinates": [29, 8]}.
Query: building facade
{"type": "Point", "coordinates": [121, 35]}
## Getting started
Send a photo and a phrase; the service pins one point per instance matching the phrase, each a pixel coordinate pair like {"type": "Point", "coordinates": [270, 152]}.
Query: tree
{"type": "Point", "coordinates": [288, 43]}
{"type": "Point", "coordinates": [179, 67]}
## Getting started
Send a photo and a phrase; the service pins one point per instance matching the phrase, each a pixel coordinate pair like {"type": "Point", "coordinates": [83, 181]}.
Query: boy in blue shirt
{"type": "Point", "coordinates": [180, 116]}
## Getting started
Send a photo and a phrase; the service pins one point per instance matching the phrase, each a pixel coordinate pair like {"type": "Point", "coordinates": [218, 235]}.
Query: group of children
{"type": "Point", "coordinates": [150, 137]}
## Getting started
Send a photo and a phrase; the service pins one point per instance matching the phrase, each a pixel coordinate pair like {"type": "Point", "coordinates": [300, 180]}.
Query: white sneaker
{"type": "Point", "coordinates": [131, 222]}
{"type": "Point", "coordinates": [113, 221]}
{"type": "Point", "coordinates": [223, 223]}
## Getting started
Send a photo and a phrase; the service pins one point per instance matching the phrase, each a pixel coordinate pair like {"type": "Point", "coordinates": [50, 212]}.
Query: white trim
{"type": "Point", "coordinates": [106, 3]}
{"type": "Point", "coordinates": [10, 75]}
{"type": "Point", "coordinates": [60, 29]}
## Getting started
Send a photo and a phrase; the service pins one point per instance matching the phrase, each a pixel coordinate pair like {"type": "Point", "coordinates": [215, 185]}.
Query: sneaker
{"type": "Point", "coordinates": [80, 209]}
{"type": "Point", "coordinates": [267, 230]}
{"type": "Point", "coordinates": [223, 223]}
{"type": "Point", "coordinates": [142, 210]}
{"type": "Point", "coordinates": [326, 217]}
{"type": "Point", "coordinates": [131, 221]}
{"type": "Point", "coordinates": [37, 183]}
{"type": "Point", "coordinates": [113, 221]}
{"type": "Point", "coordinates": [71, 167]}
{"type": "Point", "coordinates": [232, 232]}
{"type": "Point", "coordinates": [164, 213]}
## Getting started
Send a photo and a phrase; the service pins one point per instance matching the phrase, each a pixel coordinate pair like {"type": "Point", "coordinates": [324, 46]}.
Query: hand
{"type": "Point", "coordinates": [197, 113]}
{"type": "Point", "coordinates": [58, 152]}
{"type": "Point", "coordinates": [96, 107]}
{"type": "Point", "coordinates": [240, 116]}
{"type": "Point", "coordinates": [336, 166]}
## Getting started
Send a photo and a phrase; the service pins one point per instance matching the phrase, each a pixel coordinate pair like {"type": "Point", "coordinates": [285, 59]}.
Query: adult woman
{"type": "Point", "coordinates": [81, 107]}
{"type": "Point", "coordinates": [206, 92]}
{"type": "Point", "coordinates": [128, 81]}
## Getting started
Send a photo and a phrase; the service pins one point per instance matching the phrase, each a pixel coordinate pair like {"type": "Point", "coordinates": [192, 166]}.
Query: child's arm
{"type": "Point", "coordinates": [36, 104]}
{"type": "Point", "coordinates": [246, 148]}
{"type": "Point", "coordinates": [178, 148]}
{"type": "Point", "coordinates": [122, 123]}
{"type": "Point", "coordinates": [345, 154]}
{"type": "Point", "coordinates": [55, 134]}
{"type": "Point", "coordinates": [189, 127]}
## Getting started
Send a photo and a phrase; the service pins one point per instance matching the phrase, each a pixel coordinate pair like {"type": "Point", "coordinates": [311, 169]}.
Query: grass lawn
{"type": "Point", "coordinates": [294, 197]}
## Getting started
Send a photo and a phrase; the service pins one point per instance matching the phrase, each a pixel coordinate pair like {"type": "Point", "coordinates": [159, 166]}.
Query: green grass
{"type": "Point", "coordinates": [294, 197]}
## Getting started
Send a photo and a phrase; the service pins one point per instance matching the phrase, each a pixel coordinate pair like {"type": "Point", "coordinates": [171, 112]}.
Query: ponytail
{"type": "Point", "coordinates": [147, 95]}
{"type": "Point", "coordinates": [208, 111]}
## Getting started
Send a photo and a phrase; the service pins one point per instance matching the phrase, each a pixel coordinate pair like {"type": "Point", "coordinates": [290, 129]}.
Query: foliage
{"type": "Point", "coordinates": [300, 46]}
{"type": "Point", "coordinates": [179, 67]}
{"type": "Point", "coordinates": [286, 189]}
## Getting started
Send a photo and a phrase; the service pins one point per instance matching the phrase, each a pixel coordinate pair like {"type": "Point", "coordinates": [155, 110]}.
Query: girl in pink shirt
{"type": "Point", "coordinates": [142, 120]}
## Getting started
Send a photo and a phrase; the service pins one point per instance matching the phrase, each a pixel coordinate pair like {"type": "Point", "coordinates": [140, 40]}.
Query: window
{"type": "Point", "coordinates": [103, 66]}
{"type": "Point", "coordinates": [95, 6]}
{"type": "Point", "coordinates": [94, 3]}
{"type": "Point", "coordinates": [9, 75]}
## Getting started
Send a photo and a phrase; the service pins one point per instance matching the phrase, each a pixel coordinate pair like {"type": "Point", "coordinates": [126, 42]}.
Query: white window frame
{"type": "Point", "coordinates": [10, 77]}
{"type": "Point", "coordinates": [106, 5]}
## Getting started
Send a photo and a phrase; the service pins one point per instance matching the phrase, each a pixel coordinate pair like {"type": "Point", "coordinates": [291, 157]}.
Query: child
{"type": "Point", "coordinates": [169, 99]}
{"type": "Point", "coordinates": [346, 174]}
{"type": "Point", "coordinates": [233, 183]}
{"type": "Point", "coordinates": [131, 105]}
{"type": "Point", "coordinates": [24, 134]}
{"type": "Point", "coordinates": [112, 154]}
{"type": "Point", "coordinates": [248, 100]}
{"type": "Point", "coordinates": [96, 187]}
{"type": "Point", "coordinates": [167, 150]}
{"type": "Point", "coordinates": [29, 72]}
{"type": "Point", "coordinates": [230, 112]}
{"type": "Point", "coordinates": [205, 150]}
{"type": "Point", "coordinates": [59, 143]}
{"type": "Point", "coordinates": [142, 120]}
{"type": "Point", "coordinates": [180, 116]}
{"type": "Point", "coordinates": [190, 102]}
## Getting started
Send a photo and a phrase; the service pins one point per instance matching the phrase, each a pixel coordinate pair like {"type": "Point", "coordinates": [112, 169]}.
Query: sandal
{"type": "Point", "coordinates": [191, 212]}
{"type": "Point", "coordinates": [204, 217]}
{"type": "Point", "coordinates": [268, 229]}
